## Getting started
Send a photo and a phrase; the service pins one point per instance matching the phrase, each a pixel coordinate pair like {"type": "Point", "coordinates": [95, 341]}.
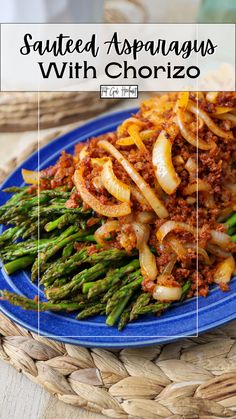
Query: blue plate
{"type": "Point", "coordinates": [187, 319]}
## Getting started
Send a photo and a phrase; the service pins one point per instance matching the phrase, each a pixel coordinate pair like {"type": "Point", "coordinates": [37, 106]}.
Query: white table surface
{"type": "Point", "coordinates": [20, 398]}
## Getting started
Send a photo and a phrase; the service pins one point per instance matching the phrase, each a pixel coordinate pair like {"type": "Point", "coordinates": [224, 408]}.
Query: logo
{"type": "Point", "coordinates": [119, 91]}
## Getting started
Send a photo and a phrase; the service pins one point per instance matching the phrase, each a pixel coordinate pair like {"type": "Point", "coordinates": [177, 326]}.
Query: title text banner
{"type": "Point", "coordinates": [82, 57]}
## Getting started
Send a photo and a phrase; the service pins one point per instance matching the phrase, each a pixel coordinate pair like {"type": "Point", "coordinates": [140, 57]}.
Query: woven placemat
{"type": "Point", "coordinates": [192, 378]}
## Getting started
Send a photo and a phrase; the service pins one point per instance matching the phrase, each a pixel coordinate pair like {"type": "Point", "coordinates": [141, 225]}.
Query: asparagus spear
{"type": "Point", "coordinates": [68, 236]}
{"type": "Point", "coordinates": [32, 201]}
{"type": "Point", "coordinates": [231, 230]}
{"type": "Point", "coordinates": [112, 278]}
{"type": "Point", "coordinates": [18, 264]}
{"type": "Point", "coordinates": [33, 229]}
{"type": "Point", "coordinates": [142, 305]}
{"type": "Point", "coordinates": [80, 236]}
{"type": "Point", "coordinates": [231, 222]}
{"type": "Point", "coordinates": [56, 193]}
{"type": "Point", "coordinates": [65, 238]}
{"type": "Point", "coordinates": [87, 286]}
{"type": "Point", "coordinates": [63, 267]}
{"type": "Point", "coordinates": [185, 289]}
{"type": "Point", "coordinates": [29, 304]}
{"type": "Point", "coordinates": [113, 289]}
{"type": "Point", "coordinates": [118, 309]}
{"type": "Point", "coordinates": [16, 190]}
{"type": "Point", "coordinates": [142, 301]}
{"type": "Point", "coordinates": [20, 192]}
{"type": "Point", "coordinates": [124, 318]}
{"type": "Point", "coordinates": [109, 293]}
{"type": "Point", "coordinates": [57, 209]}
{"type": "Point", "coordinates": [77, 281]}
{"type": "Point", "coordinates": [29, 247]}
{"type": "Point", "coordinates": [23, 207]}
{"type": "Point", "coordinates": [122, 292]}
{"type": "Point", "coordinates": [12, 234]}
{"type": "Point", "coordinates": [89, 238]}
{"type": "Point", "coordinates": [61, 222]}
{"type": "Point", "coordinates": [153, 308]}
{"type": "Point", "coordinates": [52, 193]}
{"type": "Point", "coordinates": [59, 282]}
{"type": "Point", "coordinates": [72, 264]}
{"type": "Point", "coordinates": [68, 250]}
{"type": "Point", "coordinates": [95, 309]}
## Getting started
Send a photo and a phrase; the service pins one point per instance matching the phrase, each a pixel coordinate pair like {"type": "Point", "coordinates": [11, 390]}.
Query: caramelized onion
{"type": "Point", "coordinates": [228, 117]}
{"type": "Point", "coordinates": [146, 217]}
{"type": "Point", "coordinates": [30, 176]}
{"type": "Point", "coordinates": [176, 246]}
{"type": "Point", "coordinates": [147, 262]}
{"type": "Point", "coordinates": [199, 251]}
{"type": "Point", "coordinates": [142, 233]}
{"type": "Point", "coordinates": [170, 265]}
{"type": "Point", "coordinates": [178, 160]}
{"type": "Point", "coordinates": [113, 185]}
{"type": "Point", "coordinates": [182, 104]}
{"type": "Point", "coordinates": [169, 226]}
{"type": "Point", "coordinates": [231, 187]}
{"type": "Point", "coordinates": [198, 186]}
{"type": "Point", "coordinates": [182, 250]}
{"type": "Point", "coordinates": [162, 162]}
{"type": "Point", "coordinates": [145, 134]}
{"type": "Point", "coordinates": [225, 213]}
{"type": "Point", "coordinates": [209, 200]}
{"type": "Point", "coordinates": [125, 141]}
{"type": "Point", "coordinates": [112, 211]}
{"type": "Point", "coordinates": [97, 183]}
{"type": "Point", "coordinates": [103, 232]}
{"type": "Point", "coordinates": [190, 200]}
{"type": "Point", "coordinates": [138, 195]}
{"type": "Point", "coordinates": [202, 252]}
{"type": "Point", "coordinates": [99, 161]}
{"type": "Point", "coordinates": [191, 167]}
{"type": "Point", "coordinates": [83, 153]}
{"type": "Point", "coordinates": [146, 258]}
{"type": "Point", "coordinates": [224, 270]}
{"type": "Point", "coordinates": [189, 136]}
{"type": "Point", "coordinates": [130, 121]}
{"type": "Point", "coordinates": [183, 100]}
{"type": "Point", "coordinates": [133, 131]}
{"type": "Point", "coordinates": [211, 96]}
{"type": "Point", "coordinates": [166, 292]}
{"type": "Point", "coordinates": [217, 251]}
{"type": "Point", "coordinates": [209, 122]}
{"type": "Point", "coordinates": [221, 110]}
{"type": "Point", "coordinates": [221, 239]}
{"type": "Point", "coordinates": [148, 193]}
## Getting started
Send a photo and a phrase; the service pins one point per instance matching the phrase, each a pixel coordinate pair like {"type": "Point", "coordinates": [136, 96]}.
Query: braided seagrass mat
{"type": "Point", "coordinates": [189, 379]}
